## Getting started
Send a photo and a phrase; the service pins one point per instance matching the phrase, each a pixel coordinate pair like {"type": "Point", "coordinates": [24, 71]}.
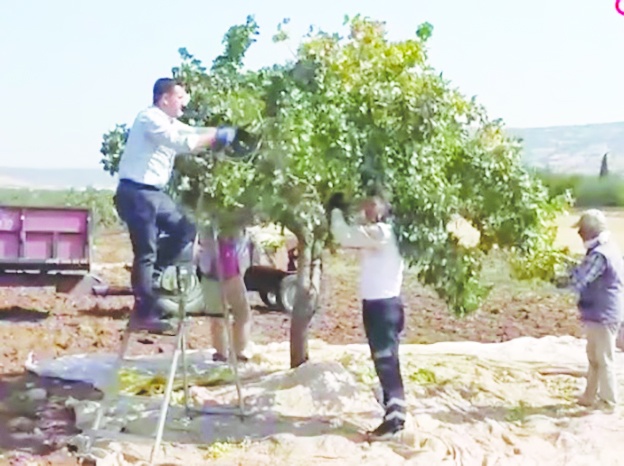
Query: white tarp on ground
{"type": "Point", "coordinates": [470, 403]}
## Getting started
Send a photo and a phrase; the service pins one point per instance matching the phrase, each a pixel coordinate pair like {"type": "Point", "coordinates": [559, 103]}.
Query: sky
{"type": "Point", "coordinates": [71, 69]}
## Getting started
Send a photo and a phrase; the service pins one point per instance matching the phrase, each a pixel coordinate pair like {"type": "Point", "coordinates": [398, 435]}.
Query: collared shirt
{"type": "Point", "coordinates": [588, 271]}
{"type": "Point", "coordinates": [592, 266]}
{"type": "Point", "coordinates": [381, 275]}
{"type": "Point", "coordinates": [154, 141]}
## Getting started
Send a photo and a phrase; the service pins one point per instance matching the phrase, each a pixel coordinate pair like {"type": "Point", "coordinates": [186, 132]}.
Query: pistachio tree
{"type": "Point", "coordinates": [361, 115]}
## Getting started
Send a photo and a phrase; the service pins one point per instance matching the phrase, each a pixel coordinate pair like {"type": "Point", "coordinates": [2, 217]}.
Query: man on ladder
{"type": "Point", "coordinates": [155, 139]}
{"type": "Point", "coordinates": [145, 167]}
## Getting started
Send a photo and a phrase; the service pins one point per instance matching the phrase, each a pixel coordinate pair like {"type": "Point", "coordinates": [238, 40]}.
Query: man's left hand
{"type": "Point", "coordinates": [244, 144]}
{"type": "Point", "coordinates": [224, 137]}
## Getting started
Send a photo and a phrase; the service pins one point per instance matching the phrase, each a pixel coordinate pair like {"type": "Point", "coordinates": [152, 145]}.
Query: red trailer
{"type": "Point", "coordinates": [45, 246]}
{"type": "Point", "coordinates": [51, 246]}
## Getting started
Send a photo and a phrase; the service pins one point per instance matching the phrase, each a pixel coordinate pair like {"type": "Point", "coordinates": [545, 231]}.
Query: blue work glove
{"type": "Point", "coordinates": [225, 137]}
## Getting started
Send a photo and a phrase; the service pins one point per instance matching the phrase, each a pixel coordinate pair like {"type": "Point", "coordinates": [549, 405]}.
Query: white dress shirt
{"type": "Point", "coordinates": [381, 273]}
{"type": "Point", "coordinates": [154, 141]}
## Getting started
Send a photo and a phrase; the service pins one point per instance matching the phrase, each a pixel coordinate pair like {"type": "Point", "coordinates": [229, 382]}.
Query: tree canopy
{"type": "Point", "coordinates": [362, 114]}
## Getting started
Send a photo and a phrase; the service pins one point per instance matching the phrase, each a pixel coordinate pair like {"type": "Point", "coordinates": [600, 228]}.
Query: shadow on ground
{"type": "Point", "coordinates": [111, 313]}
{"type": "Point", "coordinates": [21, 314]}
{"type": "Point", "coordinates": [33, 415]}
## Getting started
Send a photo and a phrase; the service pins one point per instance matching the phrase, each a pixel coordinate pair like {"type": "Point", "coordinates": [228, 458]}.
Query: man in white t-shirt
{"type": "Point", "coordinates": [155, 139]}
{"type": "Point", "coordinates": [381, 278]}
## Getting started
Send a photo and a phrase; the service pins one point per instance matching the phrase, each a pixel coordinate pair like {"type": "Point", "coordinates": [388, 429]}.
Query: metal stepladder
{"type": "Point", "coordinates": [184, 276]}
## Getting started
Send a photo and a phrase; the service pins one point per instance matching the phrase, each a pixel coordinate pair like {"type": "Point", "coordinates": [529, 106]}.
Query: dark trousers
{"type": "Point", "coordinates": [149, 212]}
{"type": "Point", "coordinates": [384, 320]}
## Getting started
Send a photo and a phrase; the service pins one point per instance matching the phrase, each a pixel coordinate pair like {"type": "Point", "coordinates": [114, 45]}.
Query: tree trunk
{"type": "Point", "coordinates": [306, 298]}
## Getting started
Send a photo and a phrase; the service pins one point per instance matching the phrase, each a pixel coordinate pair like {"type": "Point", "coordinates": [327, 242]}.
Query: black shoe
{"type": "Point", "coordinates": [387, 430]}
{"type": "Point", "coordinates": [152, 325]}
{"type": "Point", "coordinates": [218, 357]}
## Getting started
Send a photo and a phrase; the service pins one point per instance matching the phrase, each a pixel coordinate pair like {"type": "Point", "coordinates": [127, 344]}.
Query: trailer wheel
{"type": "Point", "coordinates": [269, 299]}
{"type": "Point", "coordinates": [284, 298]}
{"type": "Point", "coordinates": [288, 290]}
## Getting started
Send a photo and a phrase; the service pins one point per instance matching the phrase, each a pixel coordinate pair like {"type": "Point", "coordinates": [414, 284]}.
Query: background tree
{"type": "Point", "coordinates": [604, 167]}
{"type": "Point", "coordinates": [362, 115]}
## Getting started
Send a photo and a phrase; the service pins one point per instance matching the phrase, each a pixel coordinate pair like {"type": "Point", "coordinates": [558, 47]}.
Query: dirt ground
{"type": "Point", "coordinates": [39, 322]}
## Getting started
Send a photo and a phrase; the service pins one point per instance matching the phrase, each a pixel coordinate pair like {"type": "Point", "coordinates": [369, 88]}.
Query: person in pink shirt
{"type": "Point", "coordinates": [235, 259]}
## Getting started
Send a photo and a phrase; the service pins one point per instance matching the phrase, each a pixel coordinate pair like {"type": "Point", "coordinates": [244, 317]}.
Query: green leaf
{"type": "Point", "coordinates": [424, 31]}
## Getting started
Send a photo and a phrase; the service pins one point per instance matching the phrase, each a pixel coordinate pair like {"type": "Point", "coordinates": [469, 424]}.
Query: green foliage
{"type": "Point", "coordinates": [236, 41]}
{"type": "Point", "coordinates": [587, 191]}
{"type": "Point", "coordinates": [220, 449]}
{"type": "Point", "coordinates": [112, 146]}
{"type": "Point", "coordinates": [600, 192]}
{"type": "Point", "coordinates": [560, 184]}
{"type": "Point", "coordinates": [360, 366]}
{"type": "Point", "coordinates": [518, 413]}
{"type": "Point", "coordinates": [135, 382]}
{"type": "Point", "coordinates": [422, 376]}
{"type": "Point", "coordinates": [99, 201]}
{"type": "Point", "coordinates": [363, 115]}
{"type": "Point", "coordinates": [424, 31]}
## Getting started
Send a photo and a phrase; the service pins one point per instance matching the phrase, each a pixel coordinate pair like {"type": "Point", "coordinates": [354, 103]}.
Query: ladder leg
{"type": "Point", "coordinates": [184, 279]}
{"type": "Point", "coordinates": [167, 398]}
{"type": "Point", "coordinates": [185, 380]}
{"type": "Point", "coordinates": [114, 383]}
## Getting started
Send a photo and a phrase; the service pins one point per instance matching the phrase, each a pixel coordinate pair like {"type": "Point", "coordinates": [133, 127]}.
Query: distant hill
{"type": "Point", "coordinates": [560, 149]}
{"type": "Point", "coordinates": [55, 178]}
{"type": "Point", "coordinates": [573, 149]}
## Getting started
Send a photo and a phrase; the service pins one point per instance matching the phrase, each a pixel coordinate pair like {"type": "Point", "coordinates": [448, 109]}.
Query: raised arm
{"type": "Point", "coordinates": [184, 138]}
{"type": "Point", "coordinates": [358, 236]}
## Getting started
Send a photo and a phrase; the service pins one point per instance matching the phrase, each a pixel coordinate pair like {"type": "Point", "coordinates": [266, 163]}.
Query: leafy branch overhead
{"type": "Point", "coordinates": [361, 114]}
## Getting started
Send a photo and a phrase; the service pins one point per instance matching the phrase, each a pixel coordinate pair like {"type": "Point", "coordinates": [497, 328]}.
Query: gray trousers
{"type": "Point", "coordinates": [601, 381]}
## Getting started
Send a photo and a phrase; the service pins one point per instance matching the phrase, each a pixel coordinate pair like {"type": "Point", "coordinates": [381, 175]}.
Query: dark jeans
{"type": "Point", "coordinates": [148, 212]}
{"type": "Point", "coordinates": [384, 320]}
